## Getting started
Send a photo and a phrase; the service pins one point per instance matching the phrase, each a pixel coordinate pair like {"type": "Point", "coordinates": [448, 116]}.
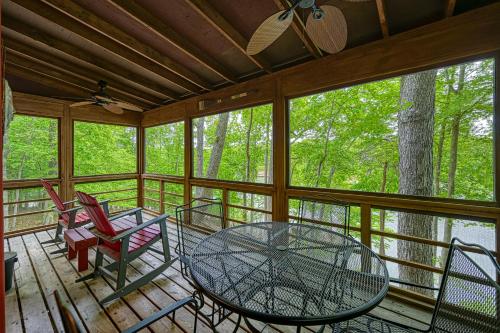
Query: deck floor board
{"type": "Point", "coordinates": [31, 307]}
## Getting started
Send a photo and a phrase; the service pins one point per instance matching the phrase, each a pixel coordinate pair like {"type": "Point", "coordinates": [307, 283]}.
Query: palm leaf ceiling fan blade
{"type": "Point", "coordinates": [81, 103]}
{"type": "Point", "coordinates": [272, 28]}
{"type": "Point", "coordinates": [330, 32]}
{"type": "Point", "coordinates": [113, 108]}
{"type": "Point", "coordinates": [127, 106]}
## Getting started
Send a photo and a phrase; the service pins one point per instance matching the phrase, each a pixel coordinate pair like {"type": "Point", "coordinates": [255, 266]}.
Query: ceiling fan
{"type": "Point", "coordinates": [101, 98]}
{"type": "Point", "coordinates": [325, 25]}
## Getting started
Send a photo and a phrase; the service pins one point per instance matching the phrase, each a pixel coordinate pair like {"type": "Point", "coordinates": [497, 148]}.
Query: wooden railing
{"type": "Point", "coordinates": [26, 215]}
{"type": "Point", "coordinates": [161, 194]}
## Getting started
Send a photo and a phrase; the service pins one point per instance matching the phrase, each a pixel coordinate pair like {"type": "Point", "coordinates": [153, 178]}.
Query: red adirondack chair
{"type": "Point", "coordinates": [123, 238]}
{"type": "Point", "coordinates": [69, 217]}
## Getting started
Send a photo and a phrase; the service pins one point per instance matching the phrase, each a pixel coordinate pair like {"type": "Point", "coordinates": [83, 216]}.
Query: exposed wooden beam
{"type": "Point", "coordinates": [76, 19]}
{"type": "Point", "coordinates": [44, 80]}
{"type": "Point", "coordinates": [300, 30]}
{"type": "Point", "coordinates": [26, 50]}
{"type": "Point", "coordinates": [62, 46]}
{"type": "Point", "coordinates": [450, 7]}
{"type": "Point", "coordinates": [205, 9]}
{"type": "Point", "coordinates": [382, 18]}
{"type": "Point", "coordinates": [87, 86]}
{"type": "Point", "coordinates": [156, 25]}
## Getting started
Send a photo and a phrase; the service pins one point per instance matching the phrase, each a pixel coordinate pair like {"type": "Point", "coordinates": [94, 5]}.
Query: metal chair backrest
{"type": "Point", "coordinates": [334, 213]}
{"type": "Point", "coordinates": [96, 214]}
{"type": "Point", "coordinates": [469, 296]}
{"type": "Point", "coordinates": [203, 213]}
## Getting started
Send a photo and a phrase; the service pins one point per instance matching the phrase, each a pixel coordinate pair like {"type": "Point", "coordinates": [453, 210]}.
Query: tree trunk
{"type": "Point", "coordinates": [328, 185]}
{"type": "Point", "coordinates": [268, 165]}
{"type": "Point", "coordinates": [247, 152]}
{"type": "Point", "coordinates": [217, 149]}
{"type": "Point", "coordinates": [437, 181]}
{"type": "Point", "coordinates": [416, 130]}
{"type": "Point", "coordinates": [452, 168]}
{"type": "Point", "coordinates": [382, 211]}
{"type": "Point", "coordinates": [452, 171]}
{"type": "Point", "coordinates": [200, 131]}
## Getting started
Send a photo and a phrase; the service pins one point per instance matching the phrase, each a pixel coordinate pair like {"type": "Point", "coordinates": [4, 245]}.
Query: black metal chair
{"type": "Point", "coordinates": [328, 214]}
{"type": "Point", "coordinates": [468, 299]}
{"type": "Point", "coordinates": [204, 216]}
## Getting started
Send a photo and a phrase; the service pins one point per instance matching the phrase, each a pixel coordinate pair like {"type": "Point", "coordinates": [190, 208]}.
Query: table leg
{"type": "Point", "coordinates": [71, 253]}
{"type": "Point", "coordinates": [83, 260]}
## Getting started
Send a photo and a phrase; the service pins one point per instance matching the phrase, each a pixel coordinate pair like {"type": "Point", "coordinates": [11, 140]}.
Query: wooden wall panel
{"type": "Point", "coordinates": [165, 114]}
{"type": "Point", "coordinates": [37, 105]}
{"type": "Point", "coordinates": [98, 114]}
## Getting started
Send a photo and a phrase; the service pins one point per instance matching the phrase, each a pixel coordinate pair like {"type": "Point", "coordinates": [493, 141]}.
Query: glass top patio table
{"type": "Point", "coordinates": [288, 273]}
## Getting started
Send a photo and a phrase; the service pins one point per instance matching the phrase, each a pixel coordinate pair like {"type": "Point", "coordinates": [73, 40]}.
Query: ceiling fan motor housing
{"type": "Point", "coordinates": [306, 3]}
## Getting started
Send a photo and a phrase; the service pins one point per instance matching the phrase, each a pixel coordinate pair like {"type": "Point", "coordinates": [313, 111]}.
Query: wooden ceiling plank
{"type": "Point", "coordinates": [20, 48]}
{"type": "Point", "coordinates": [88, 26]}
{"type": "Point", "coordinates": [86, 85]}
{"type": "Point", "coordinates": [450, 7]}
{"type": "Point", "coordinates": [156, 25]}
{"type": "Point", "coordinates": [85, 16]}
{"type": "Point", "coordinates": [44, 80]}
{"type": "Point", "coordinates": [69, 49]}
{"type": "Point", "coordinates": [382, 18]}
{"type": "Point", "coordinates": [300, 30]}
{"type": "Point", "coordinates": [205, 9]}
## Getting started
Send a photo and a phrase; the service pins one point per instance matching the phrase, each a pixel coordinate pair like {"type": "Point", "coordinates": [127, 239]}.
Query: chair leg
{"type": "Point", "coordinates": [57, 236]}
{"type": "Point", "coordinates": [63, 250]}
{"type": "Point", "coordinates": [122, 271]}
{"type": "Point", "coordinates": [97, 265]}
{"type": "Point", "coordinates": [124, 290]}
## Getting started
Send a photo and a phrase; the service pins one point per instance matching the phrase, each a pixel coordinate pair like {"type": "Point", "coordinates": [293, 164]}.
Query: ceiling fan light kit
{"type": "Point", "coordinates": [325, 25]}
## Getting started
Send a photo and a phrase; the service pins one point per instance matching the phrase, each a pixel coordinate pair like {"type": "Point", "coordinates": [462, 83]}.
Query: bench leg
{"type": "Point", "coordinates": [71, 253]}
{"type": "Point", "coordinates": [83, 260]}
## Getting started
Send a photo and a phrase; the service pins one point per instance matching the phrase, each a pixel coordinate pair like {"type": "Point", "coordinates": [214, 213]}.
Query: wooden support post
{"type": "Point", "coordinates": [2, 266]}
{"type": "Point", "coordinates": [187, 155]}
{"type": "Point", "coordinates": [496, 131]}
{"type": "Point", "coordinates": [280, 203]}
{"type": "Point", "coordinates": [162, 196]}
{"type": "Point", "coordinates": [141, 156]}
{"type": "Point", "coordinates": [225, 202]}
{"type": "Point", "coordinates": [366, 237]}
{"type": "Point", "coordinates": [66, 154]}
{"type": "Point", "coordinates": [366, 225]}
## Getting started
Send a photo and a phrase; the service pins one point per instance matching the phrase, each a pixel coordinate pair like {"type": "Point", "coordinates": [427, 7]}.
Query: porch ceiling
{"type": "Point", "coordinates": [153, 52]}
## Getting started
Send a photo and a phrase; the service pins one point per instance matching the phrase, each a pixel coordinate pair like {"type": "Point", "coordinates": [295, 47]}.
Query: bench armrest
{"type": "Point", "coordinates": [139, 227]}
{"type": "Point", "coordinates": [127, 213]}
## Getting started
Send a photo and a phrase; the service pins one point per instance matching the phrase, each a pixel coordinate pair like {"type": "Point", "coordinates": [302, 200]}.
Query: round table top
{"type": "Point", "coordinates": [288, 273]}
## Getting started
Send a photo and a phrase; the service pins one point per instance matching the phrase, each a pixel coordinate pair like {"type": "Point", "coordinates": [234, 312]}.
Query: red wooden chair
{"type": "Point", "coordinates": [69, 217]}
{"type": "Point", "coordinates": [123, 238]}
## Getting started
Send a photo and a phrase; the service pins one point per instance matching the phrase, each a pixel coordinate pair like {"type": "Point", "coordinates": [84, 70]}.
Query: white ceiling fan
{"type": "Point", "coordinates": [101, 98]}
{"type": "Point", "coordinates": [325, 25]}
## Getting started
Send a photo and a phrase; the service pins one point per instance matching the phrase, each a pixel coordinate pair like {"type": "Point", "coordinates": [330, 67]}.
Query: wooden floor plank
{"type": "Point", "coordinates": [150, 299]}
{"type": "Point", "coordinates": [14, 322]}
{"type": "Point", "coordinates": [92, 314]}
{"type": "Point", "coordinates": [119, 311]}
{"type": "Point", "coordinates": [49, 281]}
{"type": "Point", "coordinates": [35, 314]}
